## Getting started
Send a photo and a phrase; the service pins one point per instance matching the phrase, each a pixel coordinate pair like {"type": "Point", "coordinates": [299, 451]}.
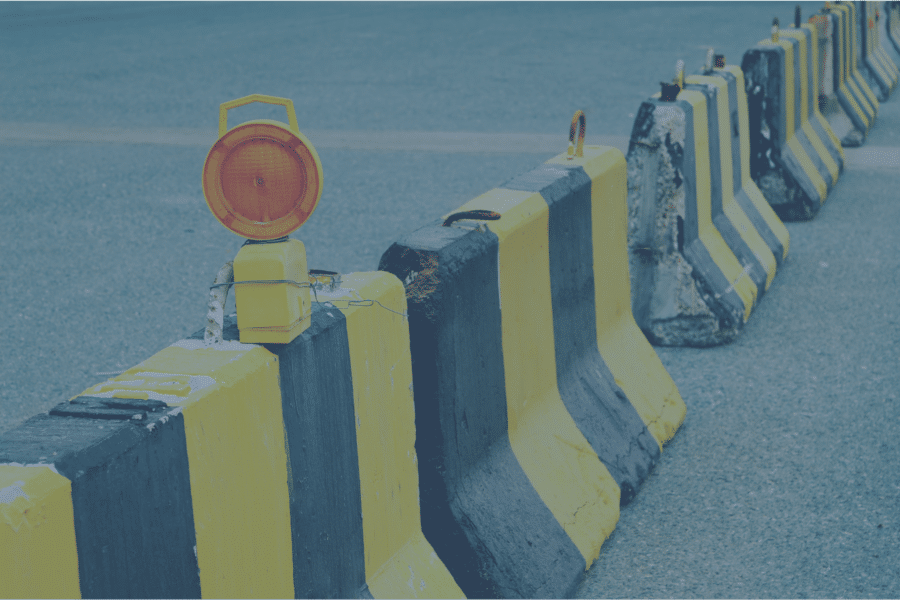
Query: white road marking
{"type": "Point", "coordinates": [870, 157]}
{"type": "Point", "coordinates": [385, 141]}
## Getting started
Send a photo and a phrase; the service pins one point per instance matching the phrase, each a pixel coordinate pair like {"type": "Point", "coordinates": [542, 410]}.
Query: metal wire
{"type": "Point", "coordinates": [368, 302]}
{"type": "Point", "coordinates": [314, 287]}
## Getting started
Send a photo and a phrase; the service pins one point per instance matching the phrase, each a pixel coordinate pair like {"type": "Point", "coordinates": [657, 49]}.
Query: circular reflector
{"type": "Point", "coordinates": [261, 180]}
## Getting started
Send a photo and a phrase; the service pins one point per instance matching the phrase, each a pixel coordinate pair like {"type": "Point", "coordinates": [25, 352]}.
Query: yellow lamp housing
{"type": "Point", "coordinates": [262, 180]}
{"type": "Point", "coordinates": [272, 312]}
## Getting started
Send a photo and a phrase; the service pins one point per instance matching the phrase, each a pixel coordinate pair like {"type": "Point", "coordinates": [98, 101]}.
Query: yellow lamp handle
{"type": "Point", "coordinates": [285, 102]}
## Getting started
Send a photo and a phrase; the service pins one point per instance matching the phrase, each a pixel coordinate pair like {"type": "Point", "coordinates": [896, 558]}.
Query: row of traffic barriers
{"type": "Point", "coordinates": [881, 69]}
{"type": "Point", "coordinates": [469, 419]}
{"type": "Point", "coordinates": [540, 406]}
{"type": "Point", "coordinates": [716, 161]}
{"type": "Point", "coordinates": [857, 72]}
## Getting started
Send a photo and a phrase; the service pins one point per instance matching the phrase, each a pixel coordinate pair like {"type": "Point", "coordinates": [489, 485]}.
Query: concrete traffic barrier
{"type": "Point", "coordinates": [881, 71]}
{"type": "Point", "coordinates": [820, 133]}
{"type": "Point", "coordinates": [854, 95]}
{"type": "Point", "coordinates": [746, 192]}
{"type": "Point", "coordinates": [792, 164]}
{"type": "Point", "coordinates": [688, 288]}
{"type": "Point", "coordinates": [892, 23]}
{"type": "Point", "coordinates": [728, 216]}
{"type": "Point", "coordinates": [825, 148]}
{"type": "Point", "coordinates": [231, 470]}
{"type": "Point", "coordinates": [527, 444]}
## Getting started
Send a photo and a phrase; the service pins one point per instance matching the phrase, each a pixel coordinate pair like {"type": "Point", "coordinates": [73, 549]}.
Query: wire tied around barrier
{"type": "Point", "coordinates": [322, 281]}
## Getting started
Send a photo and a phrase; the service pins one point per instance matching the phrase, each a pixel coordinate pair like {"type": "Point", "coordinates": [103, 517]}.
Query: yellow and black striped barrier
{"type": "Point", "coordinates": [854, 95]}
{"type": "Point", "coordinates": [746, 192]}
{"type": "Point", "coordinates": [232, 470]}
{"type": "Point", "coordinates": [823, 145]}
{"type": "Point", "coordinates": [527, 445]}
{"type": "Point", "coordinates": [880, 68]}
{"type": "Point", "coordinates": [794, 156]}
{"type": "Point", "coordinates": [892, 23]}
{"type": "Point", "coordinates": [728, 217]}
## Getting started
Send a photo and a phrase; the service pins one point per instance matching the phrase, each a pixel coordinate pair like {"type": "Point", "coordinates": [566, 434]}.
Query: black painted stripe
{"type": "Point", "coordinates": [725, 303]}
{"type": "Point", "coordinates": [479, 510]}
{"type": "Point", "coordinates": [740, 196]}
{"type": "Point", "coordinates": [131, 495]}
{"type": "Point", "coordinates": [323, 461]}
{"type": "Point", "coordinates": [588, 389]}
{"type": "Point", "coordinates": [729, 232]}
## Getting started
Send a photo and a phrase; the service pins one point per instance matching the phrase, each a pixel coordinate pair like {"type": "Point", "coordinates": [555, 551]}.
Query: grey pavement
{"type": "Point", "coordinates": [783, 481]}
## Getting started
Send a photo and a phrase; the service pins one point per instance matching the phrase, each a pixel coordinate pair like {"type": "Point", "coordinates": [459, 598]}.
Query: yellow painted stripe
{"type": "Point", "coordinates": [38, 556]}
{"type": "Point", "coordinates": [730, 207]}
{"type": "Point", "coordinates": [708, 234]}
{"type": "Point", "coordinates": [399, 562]}
{"type": "Point", "coordinates": [557, 459]}
{"type": "Point", "coordinates": [623, 346]}
{"type": "Point", "coordinates": [747, 184]}
{"type": "Point", "coordinates": [238, 464]}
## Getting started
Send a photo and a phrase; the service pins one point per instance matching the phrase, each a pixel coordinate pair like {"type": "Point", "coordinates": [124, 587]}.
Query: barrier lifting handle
{"type": "Point", "coordinates": [578, 120]}
{"type": "Point", "coordinates": [285, 102]}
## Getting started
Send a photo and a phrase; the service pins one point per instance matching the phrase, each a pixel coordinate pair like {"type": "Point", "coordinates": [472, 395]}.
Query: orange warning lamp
{"type": "Point", "coordinates": [263, 179]}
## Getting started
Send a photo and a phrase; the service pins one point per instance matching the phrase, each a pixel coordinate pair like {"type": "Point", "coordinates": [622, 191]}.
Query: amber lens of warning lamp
{"type": "Point", "coordinates": [261, 180]}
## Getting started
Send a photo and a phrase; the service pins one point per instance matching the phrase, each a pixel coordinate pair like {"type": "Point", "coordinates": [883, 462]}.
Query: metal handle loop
{"type": "Point", "coordinates": [579, 121]}
{"type": "Point", "coordinates": [285, 102]}
{"type": "Point", "coordinates": [475, 215]}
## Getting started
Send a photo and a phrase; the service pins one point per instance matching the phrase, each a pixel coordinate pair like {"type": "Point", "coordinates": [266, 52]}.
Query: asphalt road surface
{"type": "Point", "coordinates": [783, 481]}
